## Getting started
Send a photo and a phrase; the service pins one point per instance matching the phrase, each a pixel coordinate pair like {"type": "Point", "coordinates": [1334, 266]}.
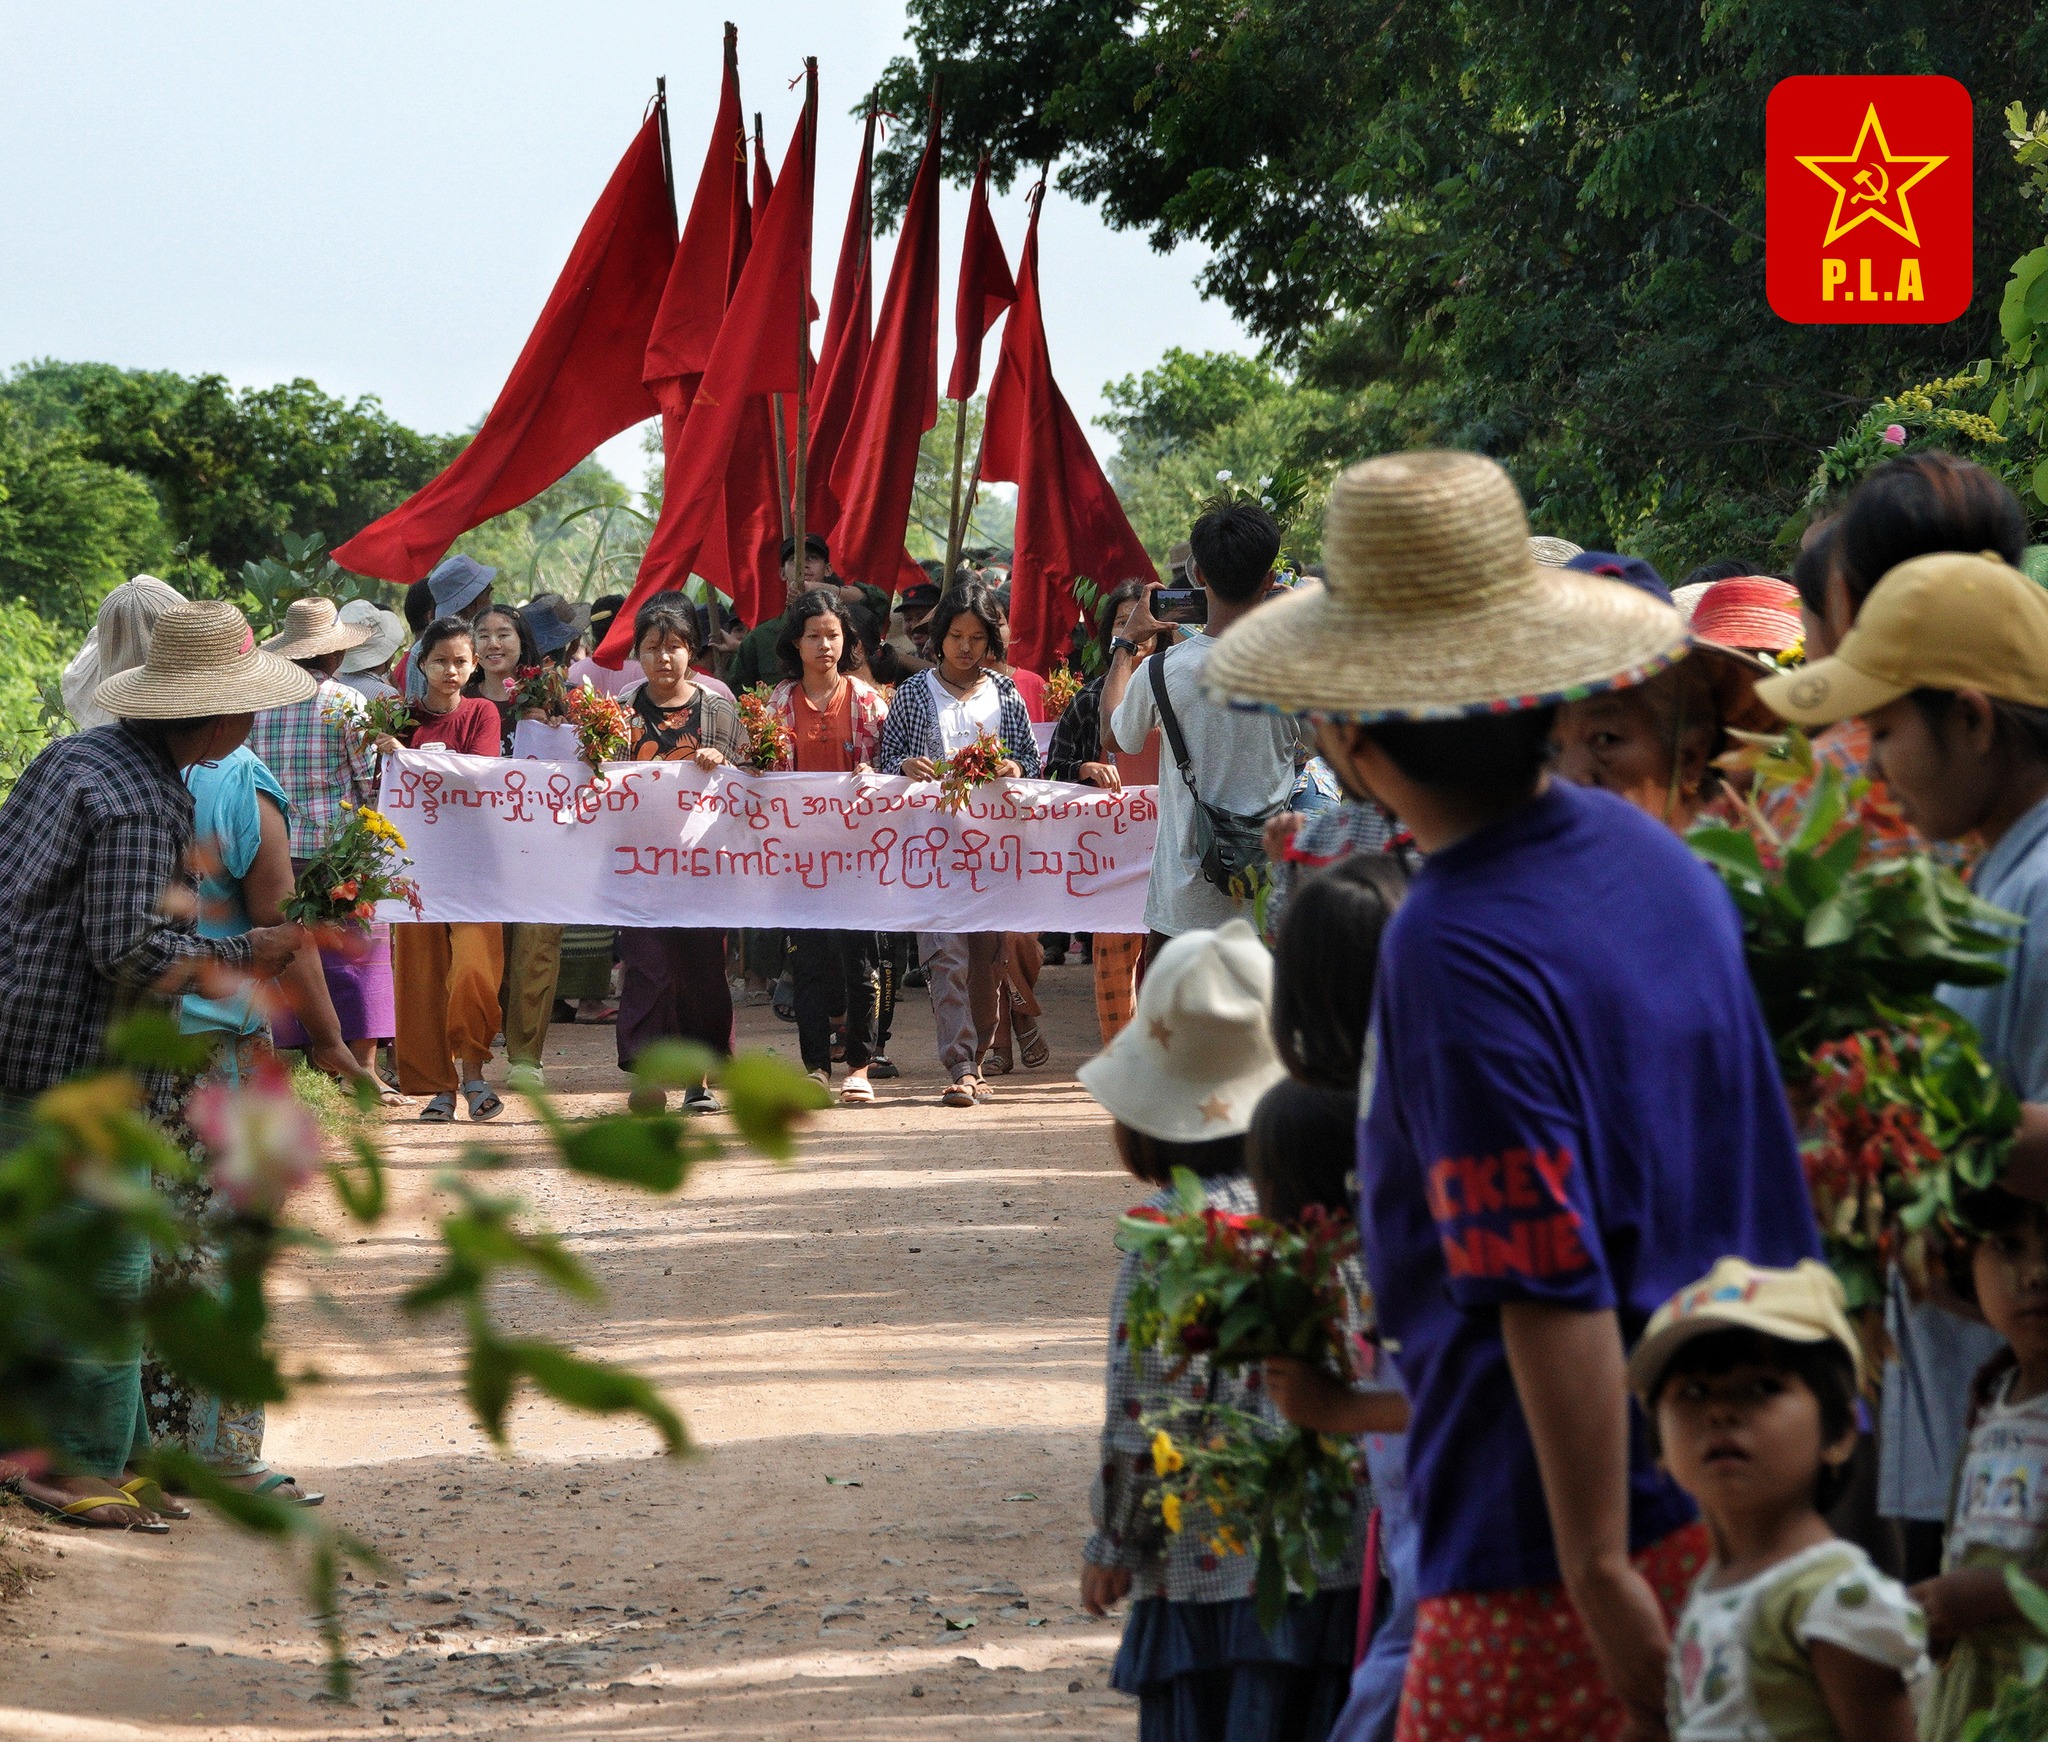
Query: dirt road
{"type": "Point", "coordinates": [888, 1355]}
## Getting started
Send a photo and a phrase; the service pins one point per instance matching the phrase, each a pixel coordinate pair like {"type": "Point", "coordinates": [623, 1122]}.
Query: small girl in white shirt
{"type": "Point", "coordinates": [1749, 1379]}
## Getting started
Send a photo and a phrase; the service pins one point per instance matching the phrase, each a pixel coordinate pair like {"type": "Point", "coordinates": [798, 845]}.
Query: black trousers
{"type": "Point", "coordinates": [834, 971]}
{"type": "Point", "coordinates": [893, 959]}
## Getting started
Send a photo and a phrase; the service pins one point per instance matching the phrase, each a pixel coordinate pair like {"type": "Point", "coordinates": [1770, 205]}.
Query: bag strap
{"type": "Point", "coordinates": [1156, 667]}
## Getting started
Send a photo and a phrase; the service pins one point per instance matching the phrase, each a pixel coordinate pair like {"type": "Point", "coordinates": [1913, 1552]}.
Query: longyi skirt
{"type": "Point", "coordinates": [1207, 1672]}
{"type": "Point", "coordinates": [359, 981]}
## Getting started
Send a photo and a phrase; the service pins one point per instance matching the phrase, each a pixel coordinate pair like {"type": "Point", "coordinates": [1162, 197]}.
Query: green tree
{"type": "Point", "coordinates": [581, 537]}
{"type": "Point", "coordinates": [71, 526]}
{"type": "Point", "coordinates": [1187, 396]}
{"type": "Point", "coordinates": [1531, 230]}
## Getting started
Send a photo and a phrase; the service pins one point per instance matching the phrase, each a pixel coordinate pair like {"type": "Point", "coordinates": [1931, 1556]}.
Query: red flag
{"type": "Point", "coordinates": [757, 352]}
{"type": "Point", "coordinates": [898, 399]}
{"type": "Point", "coordinates": [986, 289]}
{"type": "Point", "coordinates": [1069, 521]}
{"type": "Point", "coordinates": [844, 350]}
{"type": "Point", "coordinates": [576, 383]}
{"type": "Point", "coordinates": [707, 259]}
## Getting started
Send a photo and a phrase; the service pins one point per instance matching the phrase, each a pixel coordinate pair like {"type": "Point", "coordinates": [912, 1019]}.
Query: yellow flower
{"type": "Point", "coordinates": [1227, 1542]}
{"type": "Point", "coordinates": [1166, 1458]}
{"type": "Point", "coordinates": [1169, 1509]}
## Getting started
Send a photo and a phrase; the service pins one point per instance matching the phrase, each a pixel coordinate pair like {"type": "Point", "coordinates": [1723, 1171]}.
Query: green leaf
{"type": "Point", "coordinates": [768, 1097]}
{"type": "Point", "coordinates": [493, 1367]}
{"type": "Point", "coordinates": [365, 1203]}
{"type": "Point", "coordinates": [1269, 1586]}
{"type": "Point", "coordinates": [2040, 481]}
{"type": "Point", "coordinates": [1188, 1189]}
{"type": "Point", "coordinates": [151, 1040]}
{"type": "Point", "coordinates": [1728, 851]}
{"type": "Point", "coordinates": [2032, 1600]}
{"type": "Point", "coordinates": [674, 1064]}
{"type": "Point", "coordinates": [602, 1389]}
{"type": "Point", "coordinates": [644, 1151]}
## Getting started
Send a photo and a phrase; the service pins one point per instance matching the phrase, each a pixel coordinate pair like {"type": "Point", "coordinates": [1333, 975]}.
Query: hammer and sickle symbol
{"type": "Point", "coordinates": [1874, 183]}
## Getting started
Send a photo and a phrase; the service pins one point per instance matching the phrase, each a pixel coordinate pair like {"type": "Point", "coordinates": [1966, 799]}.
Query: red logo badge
{"type": "Point", "coordinates": [1867, 199]}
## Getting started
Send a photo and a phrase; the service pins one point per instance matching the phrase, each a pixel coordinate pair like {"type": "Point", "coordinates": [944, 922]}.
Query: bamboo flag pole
{"type": "Point", "coordinates": [668, 162]}
{"type": "Point", "coordinates": [803, 324]}
{"type": "Point", "coordinates": [775, 403]}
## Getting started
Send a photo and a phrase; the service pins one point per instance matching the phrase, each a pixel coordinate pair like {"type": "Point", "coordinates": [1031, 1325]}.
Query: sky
{"type": "Point", "coordinates": [379, 196]}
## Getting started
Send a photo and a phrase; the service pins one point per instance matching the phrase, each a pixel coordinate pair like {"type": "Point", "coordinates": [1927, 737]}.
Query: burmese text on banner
{"type": "Point", "coordinates": [669, 843]}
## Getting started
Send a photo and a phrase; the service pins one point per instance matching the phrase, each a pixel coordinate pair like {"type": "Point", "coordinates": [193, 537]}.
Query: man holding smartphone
{"type": "Point", "coordinates": [1237, 763]}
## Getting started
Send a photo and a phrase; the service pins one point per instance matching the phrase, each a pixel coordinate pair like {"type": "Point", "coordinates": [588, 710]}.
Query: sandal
{"type": "Point", "coordinates": [960, 1093]}
{"type": "Point", "coordinates": [1031, 1048]}
{"type": "Point", "coordinates": [483, 1100]}
{"type": "Point", "coordinates": [78, 1512]}
{"type": "Point", "coordinates": [276, 1479]}
{"type": "Point", "coordinates": [983, 1095]}
{"type": "Point", "coordinates": [148, 1493]}
{"type": "Point", "coordinates": [856, 1092]}
{"type": "Point", "coordinates": [440, 1110]}
{"type": "Point", "coordinates": [996, 1065]}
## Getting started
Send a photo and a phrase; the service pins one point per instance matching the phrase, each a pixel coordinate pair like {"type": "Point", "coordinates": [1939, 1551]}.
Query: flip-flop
{"type": "Point", "coordinates": [482, 1098]}
{"type": "Point", "coordinates": [76, 1513]}
{"type": "Point", "coordinates": [277, 1479]}
{"type": "Point", "coordinates": [960, 1094]}
{"type": "Point", "coordinates": [148, 1493]}
{"type": "Point", "coordinates": [983, 1095]}
{"type": "Point", "coordinates": [1031, 1048]}
{"type": "Point", "coordinates": [439, 1111]}
{"type": "Point", "coordinates": [856, 1092]}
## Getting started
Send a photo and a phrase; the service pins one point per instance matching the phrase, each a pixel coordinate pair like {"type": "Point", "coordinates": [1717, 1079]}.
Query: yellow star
{"type": "Point", "coordinates": [1872, 186]}
{"type": "Point", "coordinates": [1214, 1109]}
{"type": "Point", "coordinates": [1162, 1034]}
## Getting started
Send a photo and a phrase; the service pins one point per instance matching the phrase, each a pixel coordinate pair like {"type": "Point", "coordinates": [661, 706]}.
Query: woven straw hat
{"type": "Point", "coordinates": [1553, 553]}
{"type": "Point", "coordinates": [1436, 608]}
{"type": "Point", "coordinates": [202, 661]}
{"type": "Point", "coordinates": [313, 627]}
{"type": "Point", "coordinates": [1194, 1060]}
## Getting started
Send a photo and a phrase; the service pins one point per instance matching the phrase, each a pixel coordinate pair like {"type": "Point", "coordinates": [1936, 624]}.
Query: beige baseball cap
{"type": "Point", "coordinates": [1950, 621]}
{"type": "Point", "coordinates": [1802, 1305]}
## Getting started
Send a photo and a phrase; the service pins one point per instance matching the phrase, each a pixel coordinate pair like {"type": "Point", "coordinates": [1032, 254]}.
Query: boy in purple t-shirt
{"type": "Point", "coordinates": [1571, 1101]}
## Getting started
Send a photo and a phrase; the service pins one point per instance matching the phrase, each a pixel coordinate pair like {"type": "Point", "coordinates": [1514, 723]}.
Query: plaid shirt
{"type": "Point", "coordinates": [319, 759]}
{"type": "Point", "coordinates": [912, 728]}
{"type": "Point", "coordinates": [93, 835]}
{"type": "Point", "coordinates": [1077, 734]}
{"type": "Point", "coordinates": [1128, 1531]}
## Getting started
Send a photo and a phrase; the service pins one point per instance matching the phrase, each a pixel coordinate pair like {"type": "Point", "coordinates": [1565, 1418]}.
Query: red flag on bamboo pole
{"type": "Point", "coordinates": [849, 335]}
{"type": "Point", "coordinates": [575, 385]}
{"type": "Point", "coordinates": [1069, 521]}
{"type": "Point", "coordinates": [986, 289]}
{"type": "Point", "coordinates": [760, 349]}
{"type": "Point", "coordinates": [898, 398]}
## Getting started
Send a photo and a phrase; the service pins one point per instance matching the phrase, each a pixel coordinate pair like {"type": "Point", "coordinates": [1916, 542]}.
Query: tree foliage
{"type": "Point", "coordinates": [1535, 231]}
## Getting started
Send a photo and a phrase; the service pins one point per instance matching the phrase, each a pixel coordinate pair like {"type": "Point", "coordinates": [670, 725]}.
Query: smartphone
{"type": "Point", "coordinates": [1181, 604]}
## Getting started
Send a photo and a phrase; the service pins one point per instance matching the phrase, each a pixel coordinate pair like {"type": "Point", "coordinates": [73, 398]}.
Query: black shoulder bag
{"type": "Point", "coordinates": [1233, 846]}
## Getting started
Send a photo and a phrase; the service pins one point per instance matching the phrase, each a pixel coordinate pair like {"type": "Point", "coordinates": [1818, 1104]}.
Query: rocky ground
{"type": "Point", "coordinates": [889, 1357]}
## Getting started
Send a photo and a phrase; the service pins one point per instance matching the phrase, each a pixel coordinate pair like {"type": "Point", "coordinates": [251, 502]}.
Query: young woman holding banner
{"type": "Point", "coordinates": [935, 713]}
{"type": "Point", "coordinates": [835, 723]}
{"type": "Point", "coordinates": [674, 985]}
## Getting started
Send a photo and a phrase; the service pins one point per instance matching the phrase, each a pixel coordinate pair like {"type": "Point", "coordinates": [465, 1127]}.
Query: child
{"type": "Point", "coordinates": [1304, 1149]}
{"type": "Point", "coordinates": [447, 975]}
{"type": "Point", "coordinates": [1999, 1510]}
{"type": "Point", "coordinates": [1181, 1083]}
{"type": "Point", "coordinates": [1749, 1378]}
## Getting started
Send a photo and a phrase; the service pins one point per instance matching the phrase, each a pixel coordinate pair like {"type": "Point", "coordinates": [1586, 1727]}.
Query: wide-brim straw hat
{"type": "Point", "coordinates": [1193, 1062]}
{"type": "Point", "coordinates": [1435, 608]}
{"type": "Point", "coordinates": [203, 660]}
{"type": "Point", "coordinates": [313, 627]}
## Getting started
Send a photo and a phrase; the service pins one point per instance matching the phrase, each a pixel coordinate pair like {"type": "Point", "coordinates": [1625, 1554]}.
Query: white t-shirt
{"type": "Point", "coordinates": [962, 719]}
{"type": "Point", "coordinates": [1243, 762]}
{"type": "Point", "coordinates": [1740, 1670]}
{"type": "Point", "coordinates": [2001, 1496]}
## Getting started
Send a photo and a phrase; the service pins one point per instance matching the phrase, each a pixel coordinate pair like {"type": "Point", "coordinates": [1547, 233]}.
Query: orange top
{"type": "Point", "coordinates": [824, 741]}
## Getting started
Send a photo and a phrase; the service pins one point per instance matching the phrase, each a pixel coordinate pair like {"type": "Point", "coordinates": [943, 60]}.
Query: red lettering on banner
{"type": "Point", "coordinates": [1543, 1248]}
{"type": "Point", "coordinates": [1516, 1186]}
{"type": "Point", "coordinates": [1477, 1185]}
{"type": "Point", "coordinates": [1462, 1189]}
{"type": "Point", "coordinates": [1442, 1205]}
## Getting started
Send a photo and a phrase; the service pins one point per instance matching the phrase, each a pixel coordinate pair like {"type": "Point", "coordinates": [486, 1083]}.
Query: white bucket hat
{"type": "Point", "coordinates": [387, 635]}
{"type": "Point", "coordinates": [1195, 1059]}
{"type": "Point", "coordinates": [203, 661]}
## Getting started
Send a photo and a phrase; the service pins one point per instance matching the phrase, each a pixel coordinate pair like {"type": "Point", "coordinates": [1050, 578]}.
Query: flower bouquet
{"type": "Point", "coordinates": [340, 887]}
{"type": "Point", "coordinates": [972, 765]}
{"type": "Point", "coordinates": [381, 717]}
{"type": "Point", "coordinates": [1060, 689]}
{"type": "Point", "coordinates": [1288, 1493]}
{"type": "Point", "coordinates": [604, 731]}
{"type": "Point", "coordinates": [768, 745]}
{"type": "Point", "coordinates": [1907, 1119]}
{"type": "Point", "coordinates": [1236, 1289]}
{"type": "Point", "coordinates": [539, 689]}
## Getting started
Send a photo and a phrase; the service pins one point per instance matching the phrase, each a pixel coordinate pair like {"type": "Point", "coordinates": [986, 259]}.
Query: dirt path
{"type": "Point", "coordinates": [914, 1310]}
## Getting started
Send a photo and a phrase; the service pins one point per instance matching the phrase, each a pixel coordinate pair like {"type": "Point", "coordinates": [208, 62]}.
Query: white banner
{"type": "Point", "coordinates": [668, 843]}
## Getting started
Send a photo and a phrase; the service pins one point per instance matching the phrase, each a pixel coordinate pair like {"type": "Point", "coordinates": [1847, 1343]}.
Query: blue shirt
{"type": "Point", "coordinates": [1574, 1100]}
{"type": "Point", "coordinates": [227, 825]}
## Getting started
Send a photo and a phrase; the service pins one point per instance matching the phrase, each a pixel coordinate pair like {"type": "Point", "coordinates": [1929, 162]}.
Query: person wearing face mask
{"type": "Point", "coordinates": [936, 713]}
{"type": "Point", "coordinates": [94, 836]}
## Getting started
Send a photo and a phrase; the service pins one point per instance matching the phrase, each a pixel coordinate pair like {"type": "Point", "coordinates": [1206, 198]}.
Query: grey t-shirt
{"type": "Point", "coordinates": [1243, 762]}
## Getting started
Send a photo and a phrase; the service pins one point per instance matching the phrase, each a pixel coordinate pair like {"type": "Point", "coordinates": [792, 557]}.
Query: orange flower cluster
{"type": "Point", "coordinates": [970, 766]}
{"type": "Point", "coordinates": [768, 743]}
{"type": "Point", "coordinates": [604, 731]}
{"type": "Point", "coordinates": [1060, 689]}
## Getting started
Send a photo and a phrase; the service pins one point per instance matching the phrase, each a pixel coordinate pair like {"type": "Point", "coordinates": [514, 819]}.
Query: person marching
{"type": "Point", "coordinates": [835, 723]}
{"type": "Point", "coordinates": [934, 714]}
